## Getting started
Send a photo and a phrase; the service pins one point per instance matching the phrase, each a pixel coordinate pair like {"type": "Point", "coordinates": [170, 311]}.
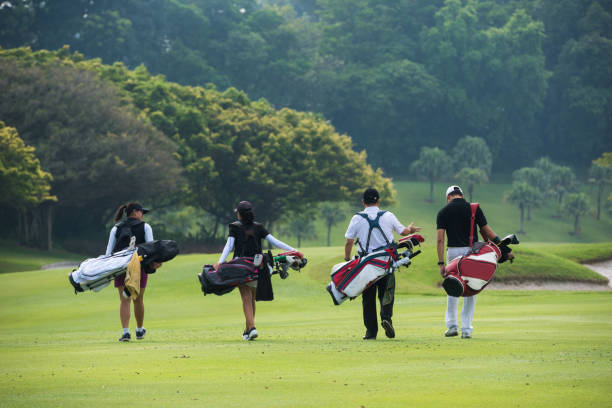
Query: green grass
{"type": "Point", "coordinates": [15, 258]}
{"type": "Point", "coordinates": [544, 349]}
{"type": "Point", "coordinates": [503, 217]}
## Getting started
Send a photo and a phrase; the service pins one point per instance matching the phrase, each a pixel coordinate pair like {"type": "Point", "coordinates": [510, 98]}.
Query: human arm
{"type": "Point", "coordinates": [148, 233]}
{"type": "Point", "coordinates": [488, 233]}
{"type": "Point", "coordinates": [399, 227]}
{"type": "Point", "coordinates": [348, 247]}
{"type": "Point", "coordinates": [410, 229]}
{"type": "Point", "coordinates": [111, 241]}
{"type": "Point", "coordinates": [229, 245]}
{"type": "Point", "coordinates": [278, 243]}
{"type": "Point", "coordinates": [440, 247]}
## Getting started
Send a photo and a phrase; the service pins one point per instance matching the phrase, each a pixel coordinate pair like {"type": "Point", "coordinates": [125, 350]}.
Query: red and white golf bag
{"type": "Point", "coordinates": [469, 274]}
{"type": "Point", "coordinates": [350, 279]}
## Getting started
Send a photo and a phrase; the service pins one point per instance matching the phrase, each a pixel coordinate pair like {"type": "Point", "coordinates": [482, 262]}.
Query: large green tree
{"type": "Point", "coordinates": [433, 164]}
{"type": "Point", "coordinates": [100, 151]}
{"type": "Point", "coordinates": [600, 174]}
{"type": "Point", "coordinates": [22, 180]}
{"type": "Point", "coordinates": [536, 178]}
{"type": "Point", "coordinates": [331, 213]}
{"type": "Point", "coordinates": [25, 188]}
{"type": "Point", "coordinates": [471, 177]}
{"type": "Point", "coordinates": [473, 152]}
{"type": "Point", "coordinates": [524, 196]}
{"type": "Point", "coordinates": [576, 205]}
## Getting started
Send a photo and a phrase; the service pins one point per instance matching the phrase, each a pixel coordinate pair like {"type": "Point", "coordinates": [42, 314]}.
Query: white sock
{"type": "Point", "coordinates": [140, 328]}
{"type": "Point", "coordinates": [126, 330]}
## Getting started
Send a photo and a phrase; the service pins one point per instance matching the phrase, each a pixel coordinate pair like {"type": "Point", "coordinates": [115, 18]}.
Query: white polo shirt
{"type": "Point", "coordinates": [359, 227]}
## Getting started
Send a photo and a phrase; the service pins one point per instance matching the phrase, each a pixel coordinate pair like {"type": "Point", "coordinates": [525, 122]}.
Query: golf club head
{"type": "Point", "coordinates": [509, 240]}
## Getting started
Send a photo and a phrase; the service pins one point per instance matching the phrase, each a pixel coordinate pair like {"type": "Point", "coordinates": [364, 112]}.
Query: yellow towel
{"type": "Point", "coordinates": [132, 276]}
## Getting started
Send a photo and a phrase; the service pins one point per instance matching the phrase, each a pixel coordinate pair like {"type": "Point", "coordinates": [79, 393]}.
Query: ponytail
{"type": "Point", "coordinates": [246, 216]}
{"type": "Point", "coordinates": [120, 211]}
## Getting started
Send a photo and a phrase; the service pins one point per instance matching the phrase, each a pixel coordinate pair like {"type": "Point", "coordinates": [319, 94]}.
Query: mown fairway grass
{"type": "Point", "coordinates": [531, 349]}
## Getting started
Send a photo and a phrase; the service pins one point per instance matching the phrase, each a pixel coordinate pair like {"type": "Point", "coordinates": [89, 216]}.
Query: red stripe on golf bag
{"type": "Point", "coordinates": [468, 275]}
{"type": "Point", "coordinates": [349, 271]}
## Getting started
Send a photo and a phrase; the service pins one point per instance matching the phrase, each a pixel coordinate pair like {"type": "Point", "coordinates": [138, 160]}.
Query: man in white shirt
{"type": "Point", "coordinates": [373, 229]}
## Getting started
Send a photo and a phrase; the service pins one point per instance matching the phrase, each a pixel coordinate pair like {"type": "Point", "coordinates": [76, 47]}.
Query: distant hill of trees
{"type": "Point", "coordinates": [529, 77]}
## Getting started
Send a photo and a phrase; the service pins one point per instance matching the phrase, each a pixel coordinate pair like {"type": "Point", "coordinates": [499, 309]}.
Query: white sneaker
{"type": "Point", "coordinates": [252, 334]}
{"type": "Point", "coordinates": [451, 332]}
{"type": "Point", "coordinates": [466, 335]}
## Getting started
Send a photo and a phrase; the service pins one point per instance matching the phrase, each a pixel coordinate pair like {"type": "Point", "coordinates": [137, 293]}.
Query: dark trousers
{"type": "Point", "coordinates": [368, 301]}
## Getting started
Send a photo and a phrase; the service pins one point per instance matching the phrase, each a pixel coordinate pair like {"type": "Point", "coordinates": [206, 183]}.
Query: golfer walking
{"type": "Point", "coordinates": [454, 220]}
{"type": "Point", "coordinates": [373, 229]}
{"type": "Point", "coordinates": [119, 238]}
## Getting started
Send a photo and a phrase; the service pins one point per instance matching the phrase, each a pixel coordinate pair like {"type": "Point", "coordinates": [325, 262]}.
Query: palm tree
{"type": "Point", "coordinates": [536, 178]}
{"type": "Point", "coordinates": [524, 196]}
{"type": "Point", "coordinates": [473, 152]}
{"type": "Point", "coordinates": [470, 177]}
{"type": "Point", "coordinates": [331, 214]}
{"type": "Point", "coordinates": [433, 164]}
{"type": "Point", "coordinates": [600, 175]}
{"type": "Point", "coordinates": [576, 204]}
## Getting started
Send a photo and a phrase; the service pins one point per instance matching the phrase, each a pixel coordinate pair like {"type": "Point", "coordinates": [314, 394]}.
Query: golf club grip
{"type": "Point", "coordinates": [415, 254]}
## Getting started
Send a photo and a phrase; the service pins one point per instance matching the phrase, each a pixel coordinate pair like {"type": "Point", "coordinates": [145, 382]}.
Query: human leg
{"type": "Point", "coordinates": [124, 315]}
{"type": "Point", "coordinates": [368, 303]}
{"type": "Point", "coordinates": [247, 306]}
{"type": "Point", "coordinates": [452, 304]}
{"type": "Point", "coordinates": [124, 309]}
{"type": "Point", "coordinates": [467, 315]}
{"type": "Point", "coordinates": [386, 310]}
{"type": "Point", "coordinates": [386, 297]}
{"type": "Point", "coordinates": [139, 308]}
{"type": "Point", "coordinates": [253, 301]}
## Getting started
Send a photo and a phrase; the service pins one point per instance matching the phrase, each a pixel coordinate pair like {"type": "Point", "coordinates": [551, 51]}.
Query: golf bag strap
{"type": "Point", "coordinates": [473, 209]}
{"type": "Point", "coordinates": [373, 224]}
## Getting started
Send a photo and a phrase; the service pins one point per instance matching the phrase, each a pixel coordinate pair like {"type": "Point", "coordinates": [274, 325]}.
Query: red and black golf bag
{"type": "Point", "coordinates": [243, 270]}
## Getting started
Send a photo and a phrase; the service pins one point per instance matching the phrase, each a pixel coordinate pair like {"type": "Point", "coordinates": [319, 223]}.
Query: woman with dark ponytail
{"type": "Point", "coordinates": [245, 237]}
{"type": "Point", "coordinates": [120, 236]}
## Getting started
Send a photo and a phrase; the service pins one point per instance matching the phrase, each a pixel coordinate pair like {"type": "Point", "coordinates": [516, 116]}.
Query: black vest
{"type": "Point", "coordinates": [248, 238]}
{"type": "Point", "coordinates": [125, 230]}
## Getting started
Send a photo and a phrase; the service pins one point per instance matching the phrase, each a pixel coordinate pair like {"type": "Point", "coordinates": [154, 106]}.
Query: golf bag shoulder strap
{"type": "Point", "coordinates": [473, 209]}
{"type": "Point", "coordinates": [127, 229]}
{"type": "Point", "coordinates": [373, 224]}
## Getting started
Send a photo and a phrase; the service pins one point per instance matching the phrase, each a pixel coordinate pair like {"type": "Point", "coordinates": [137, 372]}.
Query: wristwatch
{"type": "Point", "coordinates": [441, 263]}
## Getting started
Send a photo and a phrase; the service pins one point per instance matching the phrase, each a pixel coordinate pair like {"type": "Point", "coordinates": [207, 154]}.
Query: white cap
{"type": "Point", "coordinates": [454, 189]}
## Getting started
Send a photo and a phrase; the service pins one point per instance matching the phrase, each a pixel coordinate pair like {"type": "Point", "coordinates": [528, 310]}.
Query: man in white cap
{"type": "Point", "coordinates": [455, 220]}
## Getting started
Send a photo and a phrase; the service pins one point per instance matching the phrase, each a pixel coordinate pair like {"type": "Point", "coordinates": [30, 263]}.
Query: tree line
{"type": "Point", "coordinates": [105, 134]}
{"type": "Point", "coordinates": [470, 163]}
{"type": "Point", "coordinates": [526, 76]}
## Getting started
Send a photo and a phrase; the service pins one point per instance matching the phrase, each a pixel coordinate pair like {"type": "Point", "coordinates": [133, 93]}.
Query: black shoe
{"type": "Point", "coordinates": [389, 331]}
{"type": "Point", "coordinates": [125, 337]}
{"type": "Point", "coordinates": [140, 334]}
{"type": "Point", "coordinates": [369, 336]}
{"type": "Point", "coordinates": [252, 335]}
